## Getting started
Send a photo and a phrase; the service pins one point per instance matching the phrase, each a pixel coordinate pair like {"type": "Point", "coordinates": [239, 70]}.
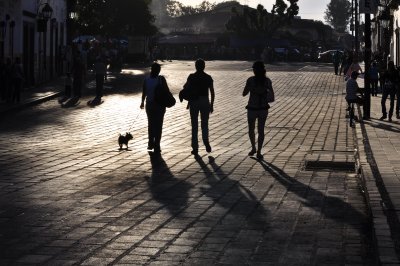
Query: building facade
{"type": "Point", "coordinates": [386, 31]}
{"type": "Point", "coordinates": [40, 51]}
{"type": "Point", "coordinates": [395, 40]}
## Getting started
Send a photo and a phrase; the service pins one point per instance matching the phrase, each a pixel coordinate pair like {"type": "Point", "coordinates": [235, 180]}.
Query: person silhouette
{"type": "Point", "coordinates": [201, 85]}
{"type": "Point", "coordinates": [257, 108]}
{"type": "Point", "coordinates": [155, 112]}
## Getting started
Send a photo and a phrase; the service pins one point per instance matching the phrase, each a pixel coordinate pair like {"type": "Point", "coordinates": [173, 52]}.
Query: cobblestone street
{"type": "Point", "coordinates": [69, 196]}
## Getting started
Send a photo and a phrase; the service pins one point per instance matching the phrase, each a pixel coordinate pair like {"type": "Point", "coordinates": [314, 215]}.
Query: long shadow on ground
{"type": "Point", "coordinates": [171, 192]}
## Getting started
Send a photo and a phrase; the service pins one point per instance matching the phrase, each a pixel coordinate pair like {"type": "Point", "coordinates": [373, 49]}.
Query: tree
{"type": "Point", "coordinates": [115, 17]}
{"type": "Point", "coordinates": [177, 9]}
{"type": "Point", "coordinates": [261, 22]}
{"type": "Point", "coordinates": [338, 14]}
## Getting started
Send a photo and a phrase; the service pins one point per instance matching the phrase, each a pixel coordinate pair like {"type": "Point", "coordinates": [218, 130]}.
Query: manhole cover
{"type": "Point", "coordinates": [329, 166]}
{"type": "Point", "coordinates": [329, 160]}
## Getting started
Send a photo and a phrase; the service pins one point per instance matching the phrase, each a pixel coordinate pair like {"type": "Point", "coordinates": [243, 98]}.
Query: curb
{"type": "Point", "coordinates": [30, 102]}
{"type": "Point", "coordinates": [377, 201]}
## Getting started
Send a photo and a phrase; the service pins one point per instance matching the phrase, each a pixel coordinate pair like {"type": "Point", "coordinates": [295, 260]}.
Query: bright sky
{"type": "Point", "coordinates": [309, 9]}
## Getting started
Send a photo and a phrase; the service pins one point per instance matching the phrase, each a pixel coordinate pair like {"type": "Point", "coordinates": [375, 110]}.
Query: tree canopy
{"type": "Point", "coordinates": [177, 9]}
{"type": "Point", "coordinates": [261, 22]}
{"type": "Point", "coordinates": [115, 17]}
{"type": "Point", "coordinates": [337, 14]}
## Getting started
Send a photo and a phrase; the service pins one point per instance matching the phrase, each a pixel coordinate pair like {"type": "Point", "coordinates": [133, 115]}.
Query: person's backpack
{"type": "Point", "coordinates": [163, 95]}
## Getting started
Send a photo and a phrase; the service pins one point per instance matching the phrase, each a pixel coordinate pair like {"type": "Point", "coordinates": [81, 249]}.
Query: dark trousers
{"type": "Point", "coordinates": [3, 88]}
{"type": "Point", "coordinates": [68, 91]}
{"type": "Point", "coordinates": [202, 106]}
{"type": "Point", "coordinates": [16, 93]}
{"type": "Point", "coordinates": [385, 93]}
{"type": "Point", "coordinates": [77, 86]}
{"type": "Point", "coordinates": [374, 87]}
{"type": "Point", "coordinates": [99, 85]}
{"type": "Point", "coordinates": [336, 65]}
{"type": "Point", "coordinates": [155, 117]}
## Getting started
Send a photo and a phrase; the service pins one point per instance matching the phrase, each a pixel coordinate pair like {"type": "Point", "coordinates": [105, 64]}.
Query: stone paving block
{"type": "Point", "coordinates": [223, 208]}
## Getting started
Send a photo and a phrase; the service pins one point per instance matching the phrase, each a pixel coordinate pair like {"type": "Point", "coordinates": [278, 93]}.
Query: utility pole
{"type": "Point", "coordinates": [356, 26]}
{"type": "Point", "coordinates": [367, 8]}
{"type": "Point", "coordinates": [367, 60]}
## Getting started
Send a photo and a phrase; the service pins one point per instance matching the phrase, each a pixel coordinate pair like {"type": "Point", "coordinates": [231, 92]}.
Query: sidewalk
{"type": "Point", "coordinates": [55, 88]}
{"type": "Point", "coordinates": [33, 96]}
{"type": "Point", "coordinates": [379, 146]}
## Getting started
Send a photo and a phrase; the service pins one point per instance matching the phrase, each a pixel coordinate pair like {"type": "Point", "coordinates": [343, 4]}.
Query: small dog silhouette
{"type": "Point", "coordinates": [124, 139]}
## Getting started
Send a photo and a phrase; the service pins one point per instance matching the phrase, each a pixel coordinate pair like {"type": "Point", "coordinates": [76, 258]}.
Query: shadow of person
{"type": "Point", "coordinates": [331, 207]}
{"type": "Point", "coordinates": [165, 188]}
{"type": "Point", "coordinates": [243, 208]}
{"type": "Point", "coordinates": [393, 126]}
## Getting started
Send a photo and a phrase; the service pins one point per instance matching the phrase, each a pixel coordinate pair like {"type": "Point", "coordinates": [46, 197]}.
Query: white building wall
{"type": "Point", "coordinates": [395, 42]}
{"type": "Point", "coordinates": [24, 12]}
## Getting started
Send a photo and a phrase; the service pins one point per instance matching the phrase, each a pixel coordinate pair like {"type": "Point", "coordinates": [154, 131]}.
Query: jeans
{"type": "Point", "coordinates": [261, 117]}
{"type": "Point", "coordinates": [385, 93]}
{"type": "Point", "coordinates": [202, 106]}
{"type": "Point", "coordinates": [155, 116]}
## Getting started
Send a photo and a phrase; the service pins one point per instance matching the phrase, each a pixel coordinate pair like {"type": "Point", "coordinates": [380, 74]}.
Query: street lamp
{"type": "Point", "coordinates": [71, 17]}
{"type": "Point", "coordinates": [44, 13]}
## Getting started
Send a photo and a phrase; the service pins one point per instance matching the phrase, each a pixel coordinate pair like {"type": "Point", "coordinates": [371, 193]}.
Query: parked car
{"type": "Point", "coordinates": [84, 38]}
{"type": "Point", "coordinates": [327, 56]}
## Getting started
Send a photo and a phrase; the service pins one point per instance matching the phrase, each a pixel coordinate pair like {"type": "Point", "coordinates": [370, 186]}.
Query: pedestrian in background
{"type": "Point", "coordinates": [18, 80]}
{"type": "Point", "coordinates": [349, 61]}
{"type": "Point", "coordinates": [353, 95]}
{"type": "Point", "coordinates": [336, 61]}
{"type": "Point", "coordinates": [67, 88]}
{"type": "Point", "coordinates": [100, 70]}
{"type": "Point", "coordinates": [381, 72]}
{"type": "Point", "coordinates": [78, 74]}
{"type": "Point", "coordinates": [343, 63]}
{"type": "Point", "coordinates": [2, 78]}
{"type": "Point", "coordinates": [374, 77]}
{"type": "Point", "coordinates": [355, 66]}
{"type": "Point", "coordinates": [257, 108]}
{"type": "Point", "coordinates": [8, 81]}
{"type": "Point", "coordinates": [201, 85]}
{"type": "Point", "coordinates": [155, 112]}
{"type": "Point", "coordinates": [391, 79]}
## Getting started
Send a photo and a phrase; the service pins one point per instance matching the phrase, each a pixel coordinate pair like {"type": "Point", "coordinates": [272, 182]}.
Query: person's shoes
{"type": "Point", "coordinates": [398, 116]}
{"type": "Point", "coordinates": [63, 99]}
{"type": "Point", "coordinates": [383, 117]}
{"type": "Point", "coordinates": [150, 146]}
{"type": "Point", "coordinates": [195, 152]}
{"type": "Point", "coordinates": [252, 152]}
{"type": "Point", "coordinates": [390, 119]}
{"type": "Point", "coordinates": [259, 156]}
{"type": "Point", "coordinates": [208, 147]}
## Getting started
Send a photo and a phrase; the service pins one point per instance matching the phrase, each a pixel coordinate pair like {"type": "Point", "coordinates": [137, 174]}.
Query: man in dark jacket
{"type": "Point", "coordinates": [201, 84]}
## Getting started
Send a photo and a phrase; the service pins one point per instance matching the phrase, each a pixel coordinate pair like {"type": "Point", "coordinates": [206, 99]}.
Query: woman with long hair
{"type": "Point", "coordinates": [257, 108]}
